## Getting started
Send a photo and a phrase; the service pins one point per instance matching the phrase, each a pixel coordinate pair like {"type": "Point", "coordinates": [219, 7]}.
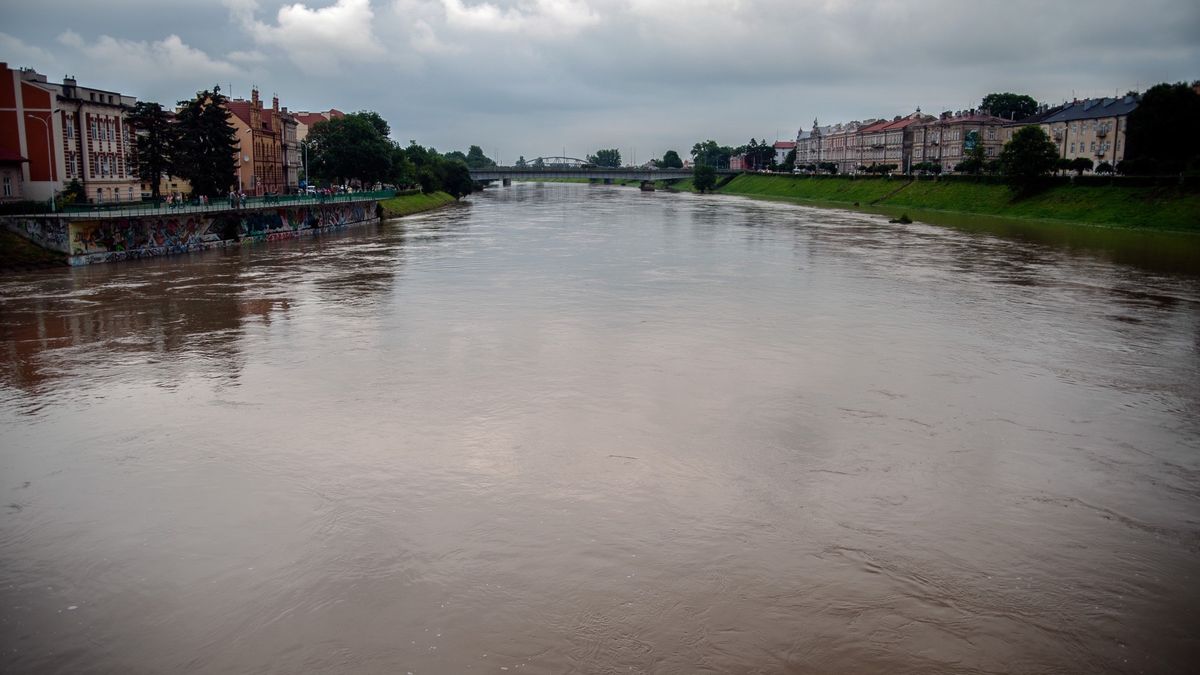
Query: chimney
{"type": "Point", "coordinates": [275, 103]}
{"type": "Point", "coordinates": [254, 97]}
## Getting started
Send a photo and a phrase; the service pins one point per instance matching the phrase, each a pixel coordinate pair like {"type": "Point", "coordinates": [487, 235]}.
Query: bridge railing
{"type": "Point", "coordinates": [162, 208]}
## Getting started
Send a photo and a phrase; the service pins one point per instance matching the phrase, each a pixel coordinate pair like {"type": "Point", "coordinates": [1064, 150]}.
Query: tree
{"type": "Point", "coordinates": [74, 193]}
{"type": "Point", "coordinates": [477, 160]}
{"type": "Point", "coordinates": [521, 161]}
{"type": "Point", "coordinates": [610, 158]}
{"type": "Point", "coordinates": [1062, 165]}
{"type": "Point", "coordinates": [828, 167]}
{"type": "Point", "coordinates": [539, 163]}
{"type": "Point", "coordinates": [1027, 159]}
{"type": "Point", "coordinates": [456, 156]}
{"type": "Point", "coordinates": [157, 139]}
{"type": "Point", "coordinates": [975, 158]}
{"type": "Point", "coordinates": [206, 153]}
{"type": "Point", "coordinates": [789, 161]}
{"type": "Point", "coordinates": [1081, 164]}
{"type": "Point", "coordinates": [1105, 167]}
{"type": "Point", "coordinates": [671, 160]}
{"type": "Point", "coordinates": [455, 178]}
{"type": "Point", "coordinates": [1010, 106]}
{"type": "Point", "coordinates": [350, 147]}
{"type": "Point", "coordinates": [711, 154]}
{"type": "Point", "coordinates": [1155, 137]}
{"type": "Point", "coordinates": [704, 177]}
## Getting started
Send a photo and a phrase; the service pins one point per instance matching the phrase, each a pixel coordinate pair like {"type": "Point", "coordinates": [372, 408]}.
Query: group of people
{"type": "Point", "coordinates": [177, 199]}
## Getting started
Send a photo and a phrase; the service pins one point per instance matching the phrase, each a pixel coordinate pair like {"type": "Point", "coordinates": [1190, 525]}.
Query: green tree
{"type": "Point", "coordinates": [610, 157]}
{"type": "Point", "coordinates": [456, 156]}
{"type": "Point", "coordinates": [539, 163]}
{"type": "Point", "coordinates": [154, 149]}
{"type": "Point", "coordinates": [789, 161]}
{"type": "Point", "coordinates": [206, 153]}
{"type": "Point", "coordinates": [350, 148]}
{"type": "Point", "coordinates": [1081, 164]}
{"type": "Point", "coordinates": [455, 178]}
{"type": "Point", "coordinates": [1156, 141]}
{"type": "Point", "coordinates": [475, 158]}
{"type": "Point", "coordinates": [521, 162]}
{"type": "Point", "coordinates": [975, 158]}
{"type": "Point", "coordinates": [704, 177]}
{"type": "Point", "coordinates": [671, 160]}
{"type": "Point", "coordinates": [1063, 165]}
{"type": "Point", "coordinates": [1027, 159]}
{"type": "Point", "coordinates": [74, 193]}
{"type": "Point", "coordinates": [1105, 167]}
{"type": "Point", "coordinates": [712, 154]}
{"type": "Point", "coordinates": [1010, 106]}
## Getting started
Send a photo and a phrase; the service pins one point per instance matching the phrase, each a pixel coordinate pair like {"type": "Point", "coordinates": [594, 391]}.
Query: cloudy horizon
{"type": "Point", "coordinates": [540, 77]}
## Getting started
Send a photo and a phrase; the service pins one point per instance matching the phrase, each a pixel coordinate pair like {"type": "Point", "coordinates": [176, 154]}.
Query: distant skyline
{"type": "Point", "coordinates": [535, 77]}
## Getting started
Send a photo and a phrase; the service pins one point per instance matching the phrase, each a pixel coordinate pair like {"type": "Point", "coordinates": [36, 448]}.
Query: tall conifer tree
{"type": "Point", "coordinates": [157, 142]}
{"type": "Point", "coordinates": [208, 147]}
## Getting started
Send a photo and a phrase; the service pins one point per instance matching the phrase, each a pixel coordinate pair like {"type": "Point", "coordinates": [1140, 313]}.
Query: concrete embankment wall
{"type": "Point", "coordinates": [85, 239]}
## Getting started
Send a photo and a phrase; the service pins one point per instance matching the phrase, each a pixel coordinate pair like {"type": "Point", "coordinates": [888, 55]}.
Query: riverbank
{"type": "Point", "coordinates": [18, 253]}
{"type": "Point", "coordinates": [406, 205]}
{"type": "Point", "coordinates": [1173, 208]}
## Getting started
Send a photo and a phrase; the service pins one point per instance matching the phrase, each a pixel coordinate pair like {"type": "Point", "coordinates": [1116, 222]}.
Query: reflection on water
{"type": "Point", "coordinates": [582, 429]}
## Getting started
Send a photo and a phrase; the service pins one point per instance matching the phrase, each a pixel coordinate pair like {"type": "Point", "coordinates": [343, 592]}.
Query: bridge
{"type": "Point", "coordinates": [569, 167]}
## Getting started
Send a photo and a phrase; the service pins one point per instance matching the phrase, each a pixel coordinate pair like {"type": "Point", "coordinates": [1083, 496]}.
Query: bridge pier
{"type": "Point", "coordinates": [506, 182]}
{"type": "Point", "coordinates": [608, 181]}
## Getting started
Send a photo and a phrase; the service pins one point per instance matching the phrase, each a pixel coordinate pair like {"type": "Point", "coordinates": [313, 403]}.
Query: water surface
{"type": "Point", "coordinates": [578, 429]}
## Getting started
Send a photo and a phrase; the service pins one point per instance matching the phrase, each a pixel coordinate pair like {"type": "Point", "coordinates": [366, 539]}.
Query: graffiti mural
{"type": "Point", "coordinates": [93, 239]}
{"type": "Point", "coordinates": [47, 232]}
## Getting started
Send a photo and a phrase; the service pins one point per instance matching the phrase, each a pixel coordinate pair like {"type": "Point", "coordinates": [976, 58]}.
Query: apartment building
{"type": "Point", "coordinates": [949, 139]}
{"type": "Point", "coordinates": [1092, 128]}
{"type": "Point", "coordinates": [67, 132]}
{"type": "Point", "coordinates": [261, 160]}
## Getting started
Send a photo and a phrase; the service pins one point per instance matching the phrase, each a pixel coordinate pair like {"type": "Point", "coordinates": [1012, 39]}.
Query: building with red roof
{"type": "Point", "coordinates": [268, 152]}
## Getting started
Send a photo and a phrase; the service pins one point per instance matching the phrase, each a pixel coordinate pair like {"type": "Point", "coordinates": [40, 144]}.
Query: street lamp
{"type": "Point", "coordinates": [49, 151]}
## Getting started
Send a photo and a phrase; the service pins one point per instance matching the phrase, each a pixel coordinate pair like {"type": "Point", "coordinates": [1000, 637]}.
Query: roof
{"type": "Point", "coordinates": [785, 145]}
{"type": "Point", "coordinates": [241, 108]}
{"type": "Point", "coordinates": [309, 119]}
{"type": "Point", "coordinates": [7, 155]}
{"type": "Point", "coordinates": [1094, 108]}
{"type": "Point", "coordinates": [877, 126]}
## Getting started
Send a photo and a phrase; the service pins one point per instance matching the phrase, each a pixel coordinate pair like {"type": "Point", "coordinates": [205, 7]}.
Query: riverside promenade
{"type": "Point", "coordinates": [110, 233]}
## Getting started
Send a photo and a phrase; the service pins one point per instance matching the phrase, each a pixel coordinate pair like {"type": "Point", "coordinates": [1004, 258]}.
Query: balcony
{"type": "Point", "coordinates": [1101, 132]}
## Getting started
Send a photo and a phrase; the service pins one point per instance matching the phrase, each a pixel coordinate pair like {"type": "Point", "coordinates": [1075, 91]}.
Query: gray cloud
{"type": "Point", "coordinates": [532, 76]}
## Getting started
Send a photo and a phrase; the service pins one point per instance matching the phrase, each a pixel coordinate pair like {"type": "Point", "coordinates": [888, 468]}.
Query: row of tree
{"type": "Point", "coordinates": [199, 144]}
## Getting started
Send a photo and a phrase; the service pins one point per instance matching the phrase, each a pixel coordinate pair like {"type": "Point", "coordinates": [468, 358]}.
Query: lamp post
{"type": "Point", "coordinates": [49, 151]}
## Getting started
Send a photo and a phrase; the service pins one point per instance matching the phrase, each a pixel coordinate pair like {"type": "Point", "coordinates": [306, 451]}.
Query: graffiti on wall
{"type": "Point", "coordinates": [48, 233]}
{"type": "Point", "coordinates": [114, 239]}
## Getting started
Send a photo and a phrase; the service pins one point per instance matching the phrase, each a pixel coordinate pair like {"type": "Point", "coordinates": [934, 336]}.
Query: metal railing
{"type": "Point", "coordinates": [162, 208]}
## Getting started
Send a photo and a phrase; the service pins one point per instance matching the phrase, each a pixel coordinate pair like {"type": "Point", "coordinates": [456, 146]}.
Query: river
{"type": "Point", "coordinates": [582, 429]}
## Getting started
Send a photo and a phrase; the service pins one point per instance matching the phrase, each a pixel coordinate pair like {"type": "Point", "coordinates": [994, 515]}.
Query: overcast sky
{"type": "Point", "coordinates": [533, 77]}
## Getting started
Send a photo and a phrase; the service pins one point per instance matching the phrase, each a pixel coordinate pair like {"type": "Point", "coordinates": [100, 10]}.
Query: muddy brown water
{"type": "Point", "coordinates": [577, 429]}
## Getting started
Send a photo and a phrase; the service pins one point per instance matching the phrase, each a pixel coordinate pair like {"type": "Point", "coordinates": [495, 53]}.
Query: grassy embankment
{"type": "Point", "coordinates": [1158, 208]}
{"type": "Point", "coordinates": [404, 205]}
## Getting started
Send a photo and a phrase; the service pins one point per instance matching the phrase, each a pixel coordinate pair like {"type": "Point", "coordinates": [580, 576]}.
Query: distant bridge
{"type": "Point", "coordinates": [508, 173]}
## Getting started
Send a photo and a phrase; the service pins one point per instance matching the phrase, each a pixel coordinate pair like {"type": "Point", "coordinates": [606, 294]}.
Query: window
{"type": "Point", "coordinates": [1093, 146]}
{"type": "Point", "coordinates": [1072, 147]}
{"type": "Point", "coordinates": [8, 186]}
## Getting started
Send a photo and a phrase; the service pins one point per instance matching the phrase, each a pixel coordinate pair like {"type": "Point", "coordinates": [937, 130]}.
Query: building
{"type": "Point", "coordinates": [739, 162]}
{"type": "Point", "coordinates": [782, 148]}
{"type": "Point", "coordinates": [948, 140]}
{"type": "Point", "coordinates": [260, 137]}
{"type": "Point", "coordinates": [291, 151]}
{"type": "Point", "coordinates": [1093, 128]}
{"type": "Point", "coordinates": [67, 132]}
{"type": "Point", "coordinates": [11, 178]}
